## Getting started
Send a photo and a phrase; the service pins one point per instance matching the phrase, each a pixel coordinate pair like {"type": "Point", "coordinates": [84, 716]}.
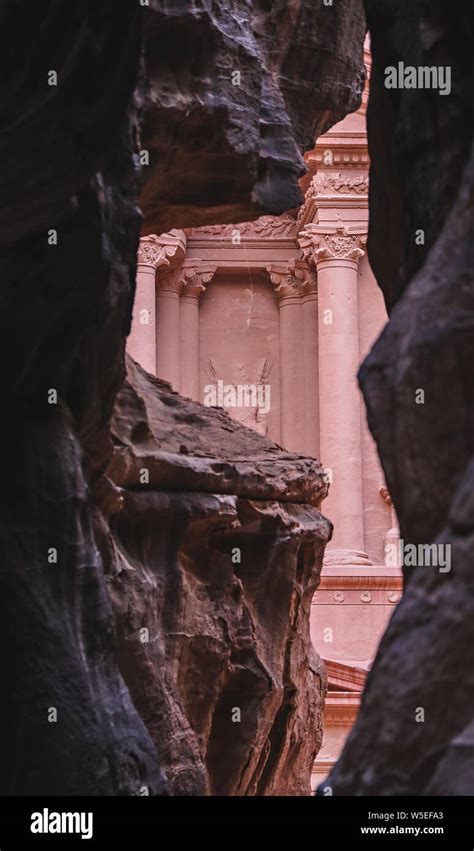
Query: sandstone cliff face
{"type": "Point", "coordinates": [422, 177]}
{"type": "Point", "coordinates": [69, 227]}
{"type": "Point", "coordinates": [236, 90]}
{"type": "Point", "coordinates": [217, 557]}
{"type": "Point", "coordinates": [67, 723]}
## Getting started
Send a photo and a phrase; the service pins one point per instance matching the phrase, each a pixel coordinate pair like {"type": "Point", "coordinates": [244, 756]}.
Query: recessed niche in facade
{"type": "Point", "coordinates": [239, 349]}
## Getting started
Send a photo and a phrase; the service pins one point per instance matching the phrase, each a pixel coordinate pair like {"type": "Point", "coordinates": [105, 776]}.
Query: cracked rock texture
{"type": "Point", "coordinates": [219, 564]}
{"type": "Point", "coordinates": [69, 229]}
{"type": "Point", "coordinates": [236, 91]}
{"type": "Point", "coordinates": [67, 164]}
{"type": "Point", "coordinates": [422, 176]}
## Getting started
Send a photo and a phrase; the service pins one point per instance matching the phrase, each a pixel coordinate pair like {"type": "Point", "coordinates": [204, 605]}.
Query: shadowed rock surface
{"type": "Point", "coordinates": [67, 164]}
{"type": "Point", "coordinates": [422, 177]}
{"type": "Point", "coordinates": [236, 91]}
{"type": "Point", "coordinates": [69, 157]}
{"type": "Point", "coordinates": [222, 576]}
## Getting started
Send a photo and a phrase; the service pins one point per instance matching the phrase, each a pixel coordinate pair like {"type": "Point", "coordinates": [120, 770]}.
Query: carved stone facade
{"type": "Point", "coordinates": [270, 320]}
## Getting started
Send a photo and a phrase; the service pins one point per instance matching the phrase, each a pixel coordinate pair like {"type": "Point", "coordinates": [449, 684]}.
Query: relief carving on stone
{"type": "Point", "coordinates": [190, 279]}
{"type": "Point", "coordinates": [195, 279]}
{"type": "Point", "coordinates": [163, 250]}
{"type": "Point", "coordinates": [327, 183]}
{"type": "Point", "coordinates": [246, 393]}
{"type": "Point", "coordinates": [340, 243]}
{"type": "Point", "coordinates": [265, 227]}
{"type": "Point", "coordinates": [291, 279]}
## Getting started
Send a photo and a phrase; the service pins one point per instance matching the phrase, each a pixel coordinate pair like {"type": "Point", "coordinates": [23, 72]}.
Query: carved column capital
{"type": "Point", "coordinates": [317, 243]}
{"type": "Point", "coordinates": [196, 277]}
{"type": "Point", "coordinates": [190, 279]}
{"type": "Point", "coordinates": [163, 250]}
{"type": "Point", "coordinates": [292, 279]}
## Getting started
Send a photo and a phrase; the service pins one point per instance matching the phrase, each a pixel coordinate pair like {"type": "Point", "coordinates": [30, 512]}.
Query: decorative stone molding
{"type": "Point", "coordinates": [265, 227]}
{"type": "Point", "coordinates": [195, 278]}
{"type": "Point", "coordinates": [347, 153]}
{"type": "Point", "coordinates": [341, 709]}
{"type": "Point", "coordinates": [293, 279]}
{"type": "Point", "coordinates": [334, 183]}
{"type": "Point", "coordinates": [170, 281]}
{"type": "Point", "coordinates": [189, 279]}
{"type": "Point", "coordinates": [344, 243]}
{"type": "Point", "coordinates": [385, 495]}
{"type": "Point", "coordinates": [348, 676]}
{"type": "Point", "coordinates": [164, 250]}
{"type": "Point", "coordinates": [339, 557]}
{"type": "Point", "coordinates": [371, 578]}
{"type": "Point", "coordinates": [329, 190]}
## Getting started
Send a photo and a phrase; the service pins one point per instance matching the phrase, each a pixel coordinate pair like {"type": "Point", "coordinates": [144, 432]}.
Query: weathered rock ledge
{"type": "Point", "coordinates": [220, 571]}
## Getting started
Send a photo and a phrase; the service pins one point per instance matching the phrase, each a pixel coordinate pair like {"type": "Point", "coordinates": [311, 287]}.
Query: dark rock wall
{"type": "Point", "coordinates": [224, 147]}
{"type": "Point", "coordinates": [422, 176]}
{"type": "Point", "coordinates": [70, 162]}
{"type": "Point", "coordinates": [67, 164]}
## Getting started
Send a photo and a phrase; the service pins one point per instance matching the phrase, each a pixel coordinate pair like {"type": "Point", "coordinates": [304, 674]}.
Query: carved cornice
{"type": "Point", "coordinates": [342, 243]}
{"type": "Point", "coordinates": [265, 227]}
{"type": "Point", "coordinates": [164, 250]}
{"type": "Point", "coordinates": [348, 152]}
{"type": "Point", "coordinates": [346, 675]}
{"type": "Point", "coordinates": [372, 578]}
{"type": "Point", "coordinates": [341, 708]}
{"type": "Point", "coordinates": [292, 279]}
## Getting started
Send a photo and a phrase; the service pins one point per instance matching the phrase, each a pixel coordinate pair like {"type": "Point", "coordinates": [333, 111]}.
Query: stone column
{"type": "Point", "coordinates": [195, 278]}
{"type": "Point", "coordinates": [154, 252]}
{"type": "Point", "coordinates": [311, 370]}
{"type": "Point", "coordinates": [289, 282]}
{"type": "Point", "coordinates": [335, 252]}
{"type": "Point", "coordinates": [168, 360]}
{"type": "Point", "coordinates": [141, 343]}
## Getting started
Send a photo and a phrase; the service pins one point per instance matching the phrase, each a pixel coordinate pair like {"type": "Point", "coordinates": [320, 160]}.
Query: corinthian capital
{"type": "Point", "coordinates": [291, 279]}
{"type": "Point", "coordinates": [164, 250]}
{"type": "Point", "coordinates": [319, 243]}
{"type": "Point", "coordinates": [196, 277]}
{"type": "Point", "coordinates": [189, 279]}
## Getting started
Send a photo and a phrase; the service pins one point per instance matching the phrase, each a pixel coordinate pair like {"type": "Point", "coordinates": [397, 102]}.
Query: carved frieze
{"type": "Point", "coordinates": [333, 188]}
{"type": "Point", "coordinates": [330, 183]}
{"type": "Point", "coordinates": [265, 227]}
